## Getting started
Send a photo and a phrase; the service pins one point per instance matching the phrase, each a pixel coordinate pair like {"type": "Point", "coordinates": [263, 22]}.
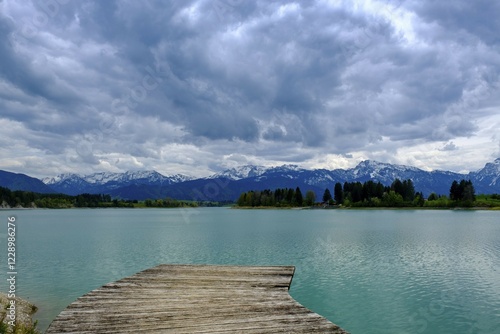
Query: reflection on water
{"type": "Point", "coordinates": [381, 271]}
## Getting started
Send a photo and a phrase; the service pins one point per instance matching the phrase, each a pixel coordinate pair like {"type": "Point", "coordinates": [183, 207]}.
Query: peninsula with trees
{"type": "Point", "coordinates": [370, 194]}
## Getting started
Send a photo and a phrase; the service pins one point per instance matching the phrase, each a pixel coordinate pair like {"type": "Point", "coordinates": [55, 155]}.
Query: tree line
{"type": "Point", "coordinates": [28, 199]}
{"type": "Point", "coordinates": [170, 203]}
{"type": "Point", "coordinates": [401, 193]}
{"type": "Point", "coordinates": [462, 194]}
{"type": "Point", "coordinates": [375, 194]}
{"type": "Point", "coordinates": [350, 194]}
{"type": "Point", "coordinates": [281, 197]}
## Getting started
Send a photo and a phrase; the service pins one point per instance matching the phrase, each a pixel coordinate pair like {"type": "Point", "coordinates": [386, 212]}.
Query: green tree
{"type": "Point", "coordinates": [408, 190]}
{"type": "Point", "coordinates": [432, 197]}
{"type": "Point", "coordinates": [370, 190]}
{"type": "Point", "coordinates": [327, 196]}
{"type": "Point", "coordinates": [290, 196]}
{"type": "Point", "coordinates": [463, 191]}
{"type": "Point", "coordinates": [469, 193]}
{"type": "Point", "coordinates": [380, 189]}
{"type": "Point", "coordinates": [338, 193]}
{"type": "Point", "coordinates": [397, 186]}
{"type": "Point", "coordinates": [299, 199]}
{"type": "Point", "coordinates": [392, 199]}
{"type": "Point", "coordinates": [256, 198]}
{"type": "Point", "coordinates": [455, 191]}
{"type": "Point", "coordinates": [419, 199]}
{"type": "Point", "coordinates": [310, 198]}
{"type": "Point", "coordinates": [242, 200]}
{"type": "Point", "coordinates": [357, 192]}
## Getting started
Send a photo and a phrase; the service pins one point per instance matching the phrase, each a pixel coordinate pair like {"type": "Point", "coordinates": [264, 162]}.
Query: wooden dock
{"type": "Point", "coordinates": [194, 299]}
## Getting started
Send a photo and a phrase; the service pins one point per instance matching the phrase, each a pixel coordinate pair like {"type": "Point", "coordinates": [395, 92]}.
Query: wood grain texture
{"type": "Point", "coordinates": [194, 299]}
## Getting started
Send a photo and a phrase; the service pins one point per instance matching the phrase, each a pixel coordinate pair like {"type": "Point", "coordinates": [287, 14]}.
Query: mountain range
{"type": "Point", "coordinates": [104, 183]}
{"type": "Point", "coordinates": [229, 184]}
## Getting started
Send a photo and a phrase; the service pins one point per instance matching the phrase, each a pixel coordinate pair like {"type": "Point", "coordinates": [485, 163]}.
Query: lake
{"type": "Point", "coordinates": [369, 271]}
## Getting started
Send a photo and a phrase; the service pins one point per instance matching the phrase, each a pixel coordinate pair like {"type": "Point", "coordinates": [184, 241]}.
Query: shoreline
{"type": "Point", "coordinates": [474, 208]}
{"type": "Point", "coordinates": [495, 208]}
{"type": "Point", "coordinates": [24, 313]}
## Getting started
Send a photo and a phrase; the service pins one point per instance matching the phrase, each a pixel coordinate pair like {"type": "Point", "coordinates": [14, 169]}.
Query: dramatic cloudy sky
{"type": "Point", "coordinates": [198, 86]}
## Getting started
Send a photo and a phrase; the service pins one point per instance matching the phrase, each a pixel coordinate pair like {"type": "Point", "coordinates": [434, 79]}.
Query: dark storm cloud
{"type": "Point", "coordinates": [313, 76]}
{"type": "Point", "coordinates": [21, 72]}
{"type": "Point", "coordinates": [479, 18]}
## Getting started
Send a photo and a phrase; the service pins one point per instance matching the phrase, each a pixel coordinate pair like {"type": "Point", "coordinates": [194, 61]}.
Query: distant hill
{"type": "Point", "coordinates": [229, 184]}
{"type": "Point", "coordinates": [15, 181]}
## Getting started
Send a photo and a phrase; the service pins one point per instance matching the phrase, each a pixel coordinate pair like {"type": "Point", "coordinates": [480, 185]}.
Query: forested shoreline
{"type": "Point", "coordinates": [371, 194]}
{"type": "Point", "coordinates": [27, 199]}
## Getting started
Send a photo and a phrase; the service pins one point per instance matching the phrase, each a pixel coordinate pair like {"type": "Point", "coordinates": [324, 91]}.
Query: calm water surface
{"type": "Point", "coordinates": [380, 271]}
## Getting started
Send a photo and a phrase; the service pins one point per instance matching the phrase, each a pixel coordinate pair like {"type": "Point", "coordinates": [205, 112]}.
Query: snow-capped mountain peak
{"type": "Point", "coordinates": [376, 166]}
{"type": "Point", "coordinates": [59, 178]}
{"type": "Point", "coordinates": [176, 178]}
{"type": "Point", "coordinates": [105, 177]}
{"type": "Point", "coordinates": [248, 171]}
{"type": "Point", "coordinates": [380, 170]}
{"type": "Point", "coordinates": [101, 178]}
{"type": "Point", "coordinates": [489, 174]}
{"type": "Point", "coordinates": [239, 173]}
{"type": "Point", "coordinates": [286, 168]}
{"type": "Point", "coordinates": [147, 184]}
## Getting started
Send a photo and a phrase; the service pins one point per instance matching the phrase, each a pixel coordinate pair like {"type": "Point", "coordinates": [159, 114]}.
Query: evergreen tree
{"type": "Point", "coordinates": [347, 187]}
{"type": "Point", "coordinates": [242, 200]}
{"type": "Point", "coordinates": [469, 193]}
{"type": "Point", "coordinates": [454, 191]}
{"type": "Point", "coordinates": [463, 191]}
{"type": "Point", "coordinates": [338, 193]}
{"type": "Point", "coordinates": [368, 189]}
{"type": "Point", "coordinates": [298, 197]}
{"type": "Point", "coordinates": [357, 192]}
{"type": "Point", "coordinates": [397, 186]}
{"type": "Point", "coordinates": [327, 196]}
{"type": "Point", "coordinates": [278, 195]}
{"type": "Point", "coordinates": [380, 189]}
{"type": "Point", "coordinates": [290, 196]}
{"type": "Point", "coordinates": [408, 190]}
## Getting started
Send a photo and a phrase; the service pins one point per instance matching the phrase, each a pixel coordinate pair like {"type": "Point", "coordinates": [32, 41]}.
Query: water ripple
{"type": "Point", "coordinates": [369, 271]}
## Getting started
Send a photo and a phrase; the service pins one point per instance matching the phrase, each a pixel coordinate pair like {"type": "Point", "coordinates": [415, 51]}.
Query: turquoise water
{"type": "Point", "coordinates": [380, 271]}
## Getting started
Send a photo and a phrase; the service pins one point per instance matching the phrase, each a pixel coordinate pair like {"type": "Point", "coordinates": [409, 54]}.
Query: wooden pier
{"type": "Point", "coordinates": [194, 299]}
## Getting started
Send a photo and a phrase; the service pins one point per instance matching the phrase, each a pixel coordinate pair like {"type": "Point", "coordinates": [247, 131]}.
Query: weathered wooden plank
{"type": "Point", "coordinates": [194, 299]}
